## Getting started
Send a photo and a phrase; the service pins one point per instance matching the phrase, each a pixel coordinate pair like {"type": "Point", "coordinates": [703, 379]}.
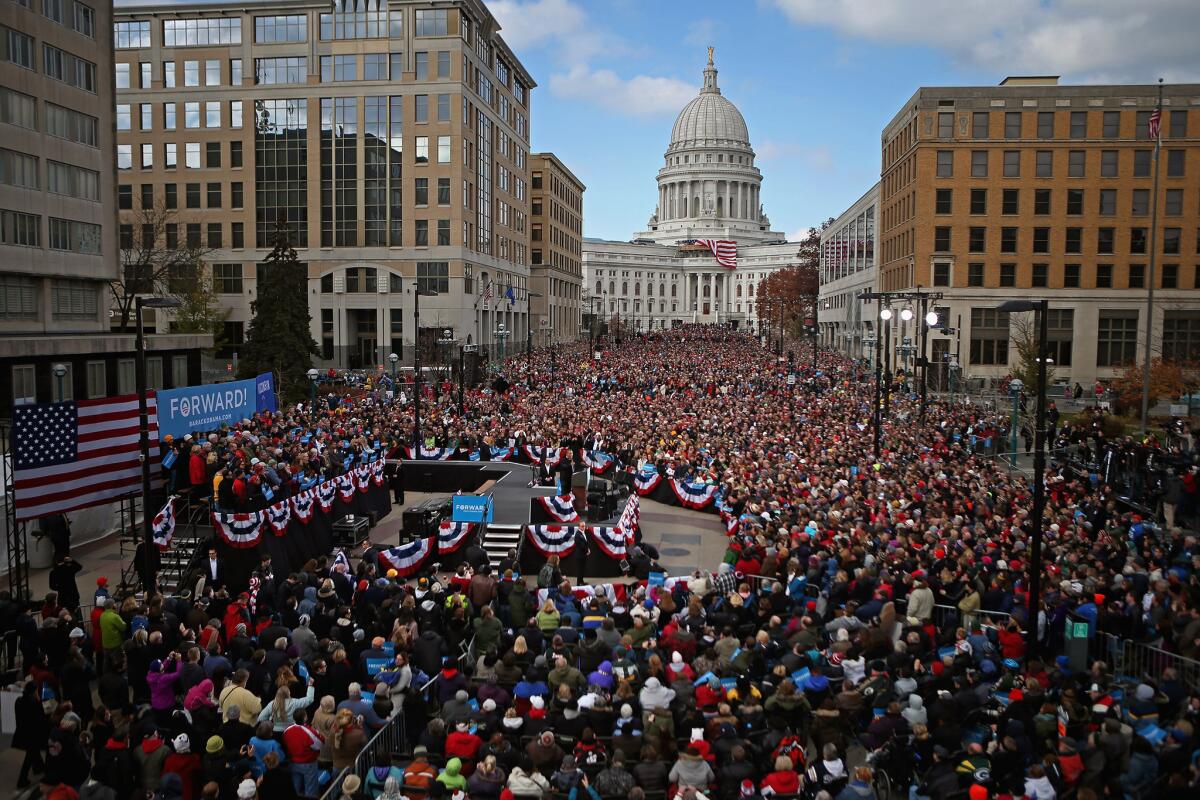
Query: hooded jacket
{"type": "Point", "coordinates": [527, 784]}
{"type": "Point", "coordinates": [451, 777]}
{"type": "Point", "coordinates": [150, 756]}
{"type": "Point", "coordinates": [915, 713]}
{"type": "Point", "coordinates": [691, 771]}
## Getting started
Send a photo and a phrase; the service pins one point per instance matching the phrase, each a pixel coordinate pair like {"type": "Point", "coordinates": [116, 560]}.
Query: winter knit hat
{"type": "Point", "coordinates": [181, 743]}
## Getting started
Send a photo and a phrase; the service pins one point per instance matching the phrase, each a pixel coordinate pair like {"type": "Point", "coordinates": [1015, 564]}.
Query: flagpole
{"type": "Point", "coordinates": [1153, 263]}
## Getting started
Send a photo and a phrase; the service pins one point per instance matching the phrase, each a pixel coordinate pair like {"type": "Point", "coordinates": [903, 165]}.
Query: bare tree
{"type": "Point", "coordinates": [1023, 333]}
{"type": "Point", "coordinates": [158, 257]}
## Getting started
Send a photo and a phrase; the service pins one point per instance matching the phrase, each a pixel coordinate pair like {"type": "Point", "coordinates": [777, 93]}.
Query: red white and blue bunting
{"type": "Point", "coordinates": [552, 540]}
{"type": "Point", "coordinates": [303, 505]}
{"type": "Point", "coordinates": [631, 515]}
{"type": "Point", "coordinates": [407, 559]}
{"type": "Point", "coordinates": [377, 472]}
{"type": "Point", "coordinates": [645, 483]}
{"type": "Point", "coordinates": [451, 535]}
{"type": "Point", "coordinates": [598, 462]}
{"type": "Point", "coordinates": [326, 492]}
{"type": "Point", "coordinates": [424, 453]}
{"type": "Point", "coordinates": [345, 487]}
{"type": "Point", "coordinates": [550, 456]}
{"type": "Point", "coordinates": [239, 530]}
{"type": "Point", "coordinates": [278, 516]}
{"type": "Point", "coordinates": [560, 508]}
{"type": "Point", "coordinates": [502, 453]}
{"type": "Point", "coordinates": [163, 524]}
{"type": "Point", "coordinates": [362, 477]}
{"type": "Point", "coordinates": [693, 495]}
{"type": "Point", "coordinates": [613, 542]}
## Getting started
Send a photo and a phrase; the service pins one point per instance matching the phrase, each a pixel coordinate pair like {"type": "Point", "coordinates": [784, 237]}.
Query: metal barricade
{"type": "Point", "coordinates": [947, 616]}
{"type": "Point", "coordinates": [389, 739]}
{"type": "Point", "coordinates": [1144, 662]}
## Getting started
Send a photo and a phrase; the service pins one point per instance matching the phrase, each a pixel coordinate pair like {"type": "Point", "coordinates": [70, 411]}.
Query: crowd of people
{"type": "Point", "coordinates": [864, 605]}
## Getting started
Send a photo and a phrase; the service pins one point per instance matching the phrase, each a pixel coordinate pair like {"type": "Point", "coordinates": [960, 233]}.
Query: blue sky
{"type": "Point", "coordinates": [815, 79]}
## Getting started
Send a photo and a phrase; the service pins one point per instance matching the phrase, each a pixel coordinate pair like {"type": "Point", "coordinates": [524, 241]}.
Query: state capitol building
{"type": "Point", "coordinates": [708, 188]}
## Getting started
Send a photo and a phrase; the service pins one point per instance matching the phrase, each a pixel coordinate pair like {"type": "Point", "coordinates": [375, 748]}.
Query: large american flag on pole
{"type": "Point", "coordinates": [81, 453]}
{"type": "Point", "coordinates": [1155, 125]}
{"type": "Point", "coordinates": [724, 249]}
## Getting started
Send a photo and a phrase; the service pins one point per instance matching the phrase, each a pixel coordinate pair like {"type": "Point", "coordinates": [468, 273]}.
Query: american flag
{"type": "Point", "coordinates": [1155, 123]}
{"type": "Point", "coordinates": [486, 295]}
{"type": "Point", "coordinates": [724, 249]}
{"type": "Point", "coordinates": [77, 454]}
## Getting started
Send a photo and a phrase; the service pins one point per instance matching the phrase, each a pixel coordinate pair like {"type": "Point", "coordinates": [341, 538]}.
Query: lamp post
{"type": "Point", "coordinates": [447, 341]}
{"type": "Point", "coordinates": [886, 316]}
{"type": "Point", "coordinates": [60, 372]}
{"type": "Point", "coordinates": [1015, 387]}
{"type": "Point", "coordinates": [418, 293]}
{"type": "Point", "coordinates": [313, 374]}
{"type": "Point", "coordinates": [144, 428]}
{"type": "Point", "coordinates": [529, 338]}
{"type": "Point", "coordinates": [395, 359]}
{"type": "Point", "coordinates": [501, 333]}
{"type": "Point", "coordinates": [931, 319]}
{"type": "Point", "coordinates": [1040, 308]}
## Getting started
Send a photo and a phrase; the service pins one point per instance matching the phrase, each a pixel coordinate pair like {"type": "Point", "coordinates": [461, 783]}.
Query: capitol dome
{"type": "Point", "coordinates": [709, 119]}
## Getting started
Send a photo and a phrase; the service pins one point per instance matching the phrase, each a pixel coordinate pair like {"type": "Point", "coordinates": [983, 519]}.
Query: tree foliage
{"type": "Point", "coordinates": [1023, 333]}
{"type": "Point", "coordinates": [279, 339]}
{"type": "Point", "coordinates": [155, 262]}
{"type": "Point", "coordinates": [199, 310]}
{"type": "Point", "coordinates": [1168, 379]}
{"type": "Point", "coordinates": [789, 295]}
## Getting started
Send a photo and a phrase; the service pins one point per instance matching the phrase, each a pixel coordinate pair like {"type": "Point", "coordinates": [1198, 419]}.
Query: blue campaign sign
{"type": "Point", "coordinates": [264, 393]}
{"type": "Point", "coordinates": [199, 409]}
{"type": "Point", "coordinates": [375, 665]}
{"type": "Point", "coordinates": [471, 508]}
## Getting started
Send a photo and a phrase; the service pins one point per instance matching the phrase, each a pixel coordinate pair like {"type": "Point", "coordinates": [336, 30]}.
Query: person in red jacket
{"type": "Point", "coordinates": [784, 780]}
{"type": "Point", "coordinates": [184, 763]}
{"type": "Point", "coordinates": [1012, 642]}
{"type": "Point", "coordinates": [197, 471]}
{"type": "Point", "coordinates": [303, 744]}
{"type": "Point", "coordinates": [463, 745]}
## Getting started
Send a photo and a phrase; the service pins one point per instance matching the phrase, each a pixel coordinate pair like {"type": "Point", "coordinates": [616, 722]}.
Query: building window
{"type": "Point", "coordinates": [1078, 125]}
{"type": "Point", "coordinates": [945, 163]}
{"type": "Point", "coordinates": [978, 201]}
{"type": "Point", "coordinates": [1010, 201]}
{"type": "Point", "coordinates": [1074, 202]}
{"type": "Point", "coordinates": [293, 69]}
{"type": "Point", "coordinates": [942, 202]}
{"type": "Point", "coordinates": [443, 191]}
{"type": "Point", "coordinates": [979, 163]}
{"type": "Point", "coordinates": [281, 171]}
{"type": "Point", "coordinates": [1141, 163]}
{"type": "Point", "coordinates": [1045, 125]}
{"type": "Point", "coordinates": [1116, 339]}
{"type": "Point", "coordinates": [1175, 163]}
{"type": "Point", "coordinates": [1108, 202]}
{"type": "Point", "coordinates": [975, 275]}
{"type": "Point", "coordinates": [1108, 163]}
{"type": "Point", "coordinates": [237, 235]}
{"type": "Point", "coordinates": [1171, 240]}
{"type": "Point", "coordinates": [1073, 241]}
{"type": "Point", "coordinates": [339, 68]}
{"type": "Point", "coordinates": [18, 109]}
{"type": "Point", "coordinates": [375, 67]}
{"type": "Point", "coordinates": [1012, 163]}
{"type": "Point", "coordinates": [76, 300]}
{"type": "Point", "coordinates": [1173, 203]}
{"type": "Point", "coordinates": [281, 28]}
{"type": "Point", "coordinates": [131, 35]}
{"type": "Point", "coordinates": [946, 125]}
{"type": "Point", "coordinates": [1112, 124]}
{"type": "Point", "coordinates": [1041, 202]}
{"type": "Point", "coordinates": [421, 231]}
{"type": "Point", "coordinates": [212, 154]}
{"type": "Point", "coordinates": [1070, 276]}
{"type": "Point", "coordinates": [74, 236]}
{"type": "Point", "coordinates": [1008, 240]}
{"type": "Point", "coordinates": [212, 72]}
{"type": "Point", "coordinates": [1076, 164]}
{"type": "Point", "coordinates": [941, 238]}
{"type": "Point", "coordinates": [1012, 125]}
{"type": "Point", "coordinates": [434, 276]}
{"type": "Point", "coordinates": [235, 115]}
{"type": "Point", "coordinates": [214, 235]}
{"type": "Point", "coordinates": [1140, 206]}
{"type": "Point", "coordinates": [443, 151]}
{"type": "Point", "coordinates": [422, 150]}
{"type": "Point", "coordinates": [1044, 164]}
{"type": "Point", "coordinates": [1137, 240]}
{"type": "Point", "coordinates": [1104, 276]}
{"type": "Point", "coordinates": [20, 229]}
{"type": "Point", "coordinates": [227, 278]}
{"type": "Point", "coordinates": [1181, 335]}
{"type": "Point", "coordinates": [72, 181]}
{"type": "Point", "coordinates": [1008, 276]}
{"type": "Point", "coordinates": [1041, 240]}
{"type": "Point", "coordinates": [362, 280]}
{"type": "Point", "coordinates": [24, 380]}
{"type": "Point", "coordinates": [1137, 276]}
{"type": "Point", "coordinates": [97, 380]}
{"type": "Point", "coordinates": [443, 232]}
{"type": "Point", "coordinates": [421, 191]}
{"type": "Point", "coordinates": [979, 125]}
{"type": "Point", "coordinates": [1170, 276]}
{"type": "Point", "coordinates": [941, 275]}
{"type": "Point", "coordinates": [1040, 276]}
{"type": "Point", "coordinates": [431, 23]}
{"type": "Point", "coordinates": [977, 239]}
{"type": "Point", "coordinates": [1105, 240]}
{"type": "Point", "coordinates": [236, 194]}
{"type": "Point", "coordinates": [1060, 324]}
{"type": "Point", "coordinates": [989, 337]}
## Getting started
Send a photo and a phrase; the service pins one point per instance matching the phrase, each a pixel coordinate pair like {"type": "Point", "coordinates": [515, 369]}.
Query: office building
{"type": "Point", "coordinates": [848, 268]}
{"type": "Point", "coordinates": [708, 188]}
{"type": "Point", "coordinates": [556, 249]}
{"type": "Point", "coordinates": [1035, 189]}
{"type": "Point", "coordinates": [58, 234]}
{"type": "Point", "coordinates": [389, 138]}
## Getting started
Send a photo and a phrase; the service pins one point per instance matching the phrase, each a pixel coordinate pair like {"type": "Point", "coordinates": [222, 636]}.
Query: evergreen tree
{"type": "Point", "coordinates": [279, 340]}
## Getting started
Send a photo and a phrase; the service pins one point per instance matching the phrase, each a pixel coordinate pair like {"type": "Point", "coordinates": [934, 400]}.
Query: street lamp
{"type": "Point", "coordinates": [395, 359]}
{"type": "Point", "coordinates": [529, 337]}
{"type": "Point", "coordinates": [313, 374]}
{"type": "Point", "coordinates": [501, 333]}
{"type": "Point", "coordinates": [906, 314]}
{"type": "Point", "coordinates": [1040, 309]}
{"type": "Point", "coordinates": [60, 372]}
{"type": "Point", "coordinates": [1015, 387]}
{"type": "Point", "coordinates": [144, 428]}
{"type": "Point", "coordinates": [446, 340]}
{"type": "Point", "coordinates": [417, 295]}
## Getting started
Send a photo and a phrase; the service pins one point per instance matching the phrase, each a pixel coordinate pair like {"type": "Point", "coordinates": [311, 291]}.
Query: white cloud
{"type": "Point", "coordinates": [701, 33]}
{"type": "Point", "coordinates": [560, 26]}
{"type": "Point", "coordinates": [1082, 39]}
{"type": "Point", "coordinates": [641, 95]}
